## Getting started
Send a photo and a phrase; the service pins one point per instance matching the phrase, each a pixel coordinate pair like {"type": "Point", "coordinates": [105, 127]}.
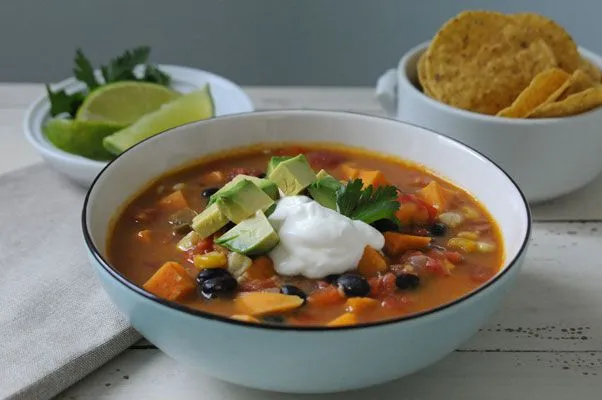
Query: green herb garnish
{"type": "Point", "coordinates": [118, 69]}
{"type": "Point", "coordinates": [368, 205]}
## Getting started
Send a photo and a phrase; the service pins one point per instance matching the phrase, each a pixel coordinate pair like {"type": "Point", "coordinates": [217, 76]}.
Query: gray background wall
{"type": "Point", "coordinates": [254, 42]}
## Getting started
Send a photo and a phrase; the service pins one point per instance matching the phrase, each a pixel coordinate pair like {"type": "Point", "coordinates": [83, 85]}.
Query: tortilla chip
{"type": "Point", "coordinates": [480, 61]}
{"type": "Point", "coordinates": [421, 74]}
{"type": "Point", "coordinates": [540, 89]}
{"type": "Point", "coordinates": [555, 36]}
{"type": "Point", "coordinates": [590, 69]}
{"type": "Point", "coordinates": [577, 103]}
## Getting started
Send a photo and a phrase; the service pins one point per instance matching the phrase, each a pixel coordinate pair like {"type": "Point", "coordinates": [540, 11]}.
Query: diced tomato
{"type": "Point", "coordinates": [435, 266]}
{"type": "Point", "coordinates": [325, 297]}
{"type": "Point", "coordinates": [382, 286]}
{"type": "Point", "coordinates": [397, 302]}
{"type": "Point", "coordinates": [202, 247]}
{"type": "Point", "coordinates": [289, 151]}
{"type": "Point", "coordinates": [257, 285]}
{"type": "Point", "coordinates": [453, 257]}
{"type": "Point", "coordinates": [324, 159]}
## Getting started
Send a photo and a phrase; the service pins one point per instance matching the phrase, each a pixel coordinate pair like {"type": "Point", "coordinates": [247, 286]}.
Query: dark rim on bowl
{"type": "Point", "coordinates": [179, 307]}
{"type": "Point", "coordinates": [414, 54]}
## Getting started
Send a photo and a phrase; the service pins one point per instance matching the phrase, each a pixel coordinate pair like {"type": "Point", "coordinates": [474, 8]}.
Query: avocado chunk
{"type": "Point", "coordinates": [324, 190]}
{"type": "Point", "coordinates": [242, 200]}
{"type": "Point", "coordinates": [293, 175]}
{"type": "Point", "coordinates": [274, 162]}
{"type": "Point", "coordinates": [254, 235]}
{"type": "Point", "coordinates": [209, 221]}
{"type": "Point", "coordinates": [269, 187]}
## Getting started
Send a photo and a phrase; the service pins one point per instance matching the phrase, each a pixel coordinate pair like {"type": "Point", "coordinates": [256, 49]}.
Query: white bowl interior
{"type": "Point", "coordinates": [461, 165]}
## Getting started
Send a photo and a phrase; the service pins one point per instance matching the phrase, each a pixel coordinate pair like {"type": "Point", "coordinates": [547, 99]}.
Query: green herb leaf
{"type": "Point", "coordinates": [368, 205]}
{"type": "Point", "coordinates": [122, 68]}
{"type": "Point", "coordinates": [84, 71]}
{"type": "Point", "coordinates": [152, 74]}
{"type": "Point", "coordinates": [63, 103]}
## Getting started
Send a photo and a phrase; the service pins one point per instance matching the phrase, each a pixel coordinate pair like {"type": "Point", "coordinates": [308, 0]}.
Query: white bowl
{"type": "Point", "coordinates": [547, 157]}
{"type": "Point", "coordinates": [228, 98]}
{"type": "Point", "coordinates": [297, 359]}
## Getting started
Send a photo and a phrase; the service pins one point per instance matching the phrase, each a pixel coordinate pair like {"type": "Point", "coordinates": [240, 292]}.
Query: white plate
{"type": "Point", "coordinates": [228, 98]}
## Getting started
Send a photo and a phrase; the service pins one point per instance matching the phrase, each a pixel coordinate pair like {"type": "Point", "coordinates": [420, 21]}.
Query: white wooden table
{"type": "Point", "coordinates": [544, 343]}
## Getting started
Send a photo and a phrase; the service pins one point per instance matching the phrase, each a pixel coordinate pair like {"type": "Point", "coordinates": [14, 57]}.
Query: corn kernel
{"type": "Point", "coordinates": [485, 247]}
{"type": "Point", "coordinates": [465, 245]}
{"type": "Point", "coordinates": [213, 259]}
{"type": "Point", "coordinates": [451, 219]}
{"type": "Point", "coordinates": [468, 235]}
{"type": "Point", "coordinates": [470, 212]}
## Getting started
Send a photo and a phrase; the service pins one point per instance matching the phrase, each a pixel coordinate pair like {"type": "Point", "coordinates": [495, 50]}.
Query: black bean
{"type": "Point", "coordinates": [385, 225]}
{"type": "Point", "coordinates": [273, 319]}
{"type": "Point", "coordinates": [407, 281]}
{"type": "Point", "coordinates": [438, 229]}
{"type": "Point", "coordinates": [293, 291]}
{"type": "Point", "coordinates": [353, 285]}
{"type": "Point", "coordinates": [209, 192]}
{"type": "Point", "coordinates": [262, 175]}
{"type": "Point", "coordinates": [209, 273]}
{"type": "Point", "coordinates": [331, 278]}
{"type": "Point", "coordinates": [220, 285]}
{"type": "Point", "coordinates": [182, 229]}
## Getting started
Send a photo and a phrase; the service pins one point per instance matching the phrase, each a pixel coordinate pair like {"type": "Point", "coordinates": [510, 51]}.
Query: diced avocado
{"type": "Point", "coordinates": [324, 190]}
{"type": "Point", "coordinates": [243, 200]}
{"type": "Point", "coordinates": [269, 187]}
{"type": "Point", "coordinates": [293, 175]}
{"type": "Point", "coordinates": [254, 235]}
{"type": "Point", "coordinates": [275, 161]}
{"type": "Point", "coordinates": [189, 241]}
{"type": "Point", "coordinates": [238, 264]}
{"type": "Point", "coordinates": [209, 221]}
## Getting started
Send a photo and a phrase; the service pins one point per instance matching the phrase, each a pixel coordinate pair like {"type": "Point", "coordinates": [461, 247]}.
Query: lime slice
{"type": "Point", "coordinates": [123, 103]}
{"type": "Point", "coordinates": [80, 137]}
{"type": "Point", "coordinates": [190, 107]}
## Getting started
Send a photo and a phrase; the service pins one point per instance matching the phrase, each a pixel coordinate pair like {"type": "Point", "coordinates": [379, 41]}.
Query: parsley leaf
{"type": "Point", "coordinates": [152, 74]}
{"type": "Point", "coordinates": [61, 102]}
{"type": "Point", "coordinates": [122, 68]}
{"type": "Point", "coordinates": [369, 204]}
{"type": "Point", "coordinates": [84, 71]}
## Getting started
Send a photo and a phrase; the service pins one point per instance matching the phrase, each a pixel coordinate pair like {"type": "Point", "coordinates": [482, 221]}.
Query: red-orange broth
{"type": "Point", "coordinates": [463, 243]}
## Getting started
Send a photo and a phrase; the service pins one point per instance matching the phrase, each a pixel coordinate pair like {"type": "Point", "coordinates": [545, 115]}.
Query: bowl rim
{"type": "Point", "coordinates": [416, 51]}
{"type": "Point", "coordinates": [100, 259]}
{"type": "Point", "coordinates": [179, 72]}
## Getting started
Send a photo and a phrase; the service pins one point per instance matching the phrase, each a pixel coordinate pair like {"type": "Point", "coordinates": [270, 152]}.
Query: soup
{"type": "Point", "coordinates": [306, 236]}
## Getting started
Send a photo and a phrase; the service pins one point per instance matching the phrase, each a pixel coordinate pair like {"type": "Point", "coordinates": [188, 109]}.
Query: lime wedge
{"type": "Point", "coordinates": [190, 107]}
{"type": "Point", "coordinates": [123, 103]}
{"type": "Point", "coordinates": [80, 137]}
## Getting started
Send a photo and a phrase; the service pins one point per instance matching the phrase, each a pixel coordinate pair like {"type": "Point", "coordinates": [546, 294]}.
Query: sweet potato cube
{"type": "Point", "coordinates": [344, 319]}
{"type": "Point", "coordinates": [375, 178]}
{"type": "Point", "coordinates": [359, 304]}
{"type": "Point", "coordinates": [396, 243]}
{"type": "Point", "coordinates": [262, 303]}
{"type": "Point", "coordinates": [350, 171]}
{"type": "Point", "coordinates": [261, 268]}
{"type": "Point", "coordinates": [245, 318]}
{"type": "Point", "coordinates": [173, 202]}
{"type": "Point", "coordinates": [434, 195]}
{"type": "Point", "coordinates": [371, 263]}
{"type": "Point", "coordinates": [171, 282]}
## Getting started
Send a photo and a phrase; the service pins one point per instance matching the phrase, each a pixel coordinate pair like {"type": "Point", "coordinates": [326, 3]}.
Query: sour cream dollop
{"type": "Point", "coordinates": [316, 241]}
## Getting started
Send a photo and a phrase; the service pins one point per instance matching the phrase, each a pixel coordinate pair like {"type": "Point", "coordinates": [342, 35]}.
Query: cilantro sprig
{"type": "Point", "coordinates": [118, 69]}
{"type": "Point", "coordinates": [367, 204]}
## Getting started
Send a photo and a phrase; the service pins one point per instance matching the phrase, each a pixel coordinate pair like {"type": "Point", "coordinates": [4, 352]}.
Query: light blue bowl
{"type": "Point", "coordinates": [305, 360]}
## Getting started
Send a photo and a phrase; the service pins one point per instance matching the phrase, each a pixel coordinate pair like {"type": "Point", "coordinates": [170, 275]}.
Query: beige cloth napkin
{"type": "Point", "coordinates": [56, 323]}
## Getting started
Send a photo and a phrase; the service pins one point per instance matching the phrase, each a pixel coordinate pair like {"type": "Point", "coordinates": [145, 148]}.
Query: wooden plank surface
{"type": "Point", "coordinates": [545, 342]}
